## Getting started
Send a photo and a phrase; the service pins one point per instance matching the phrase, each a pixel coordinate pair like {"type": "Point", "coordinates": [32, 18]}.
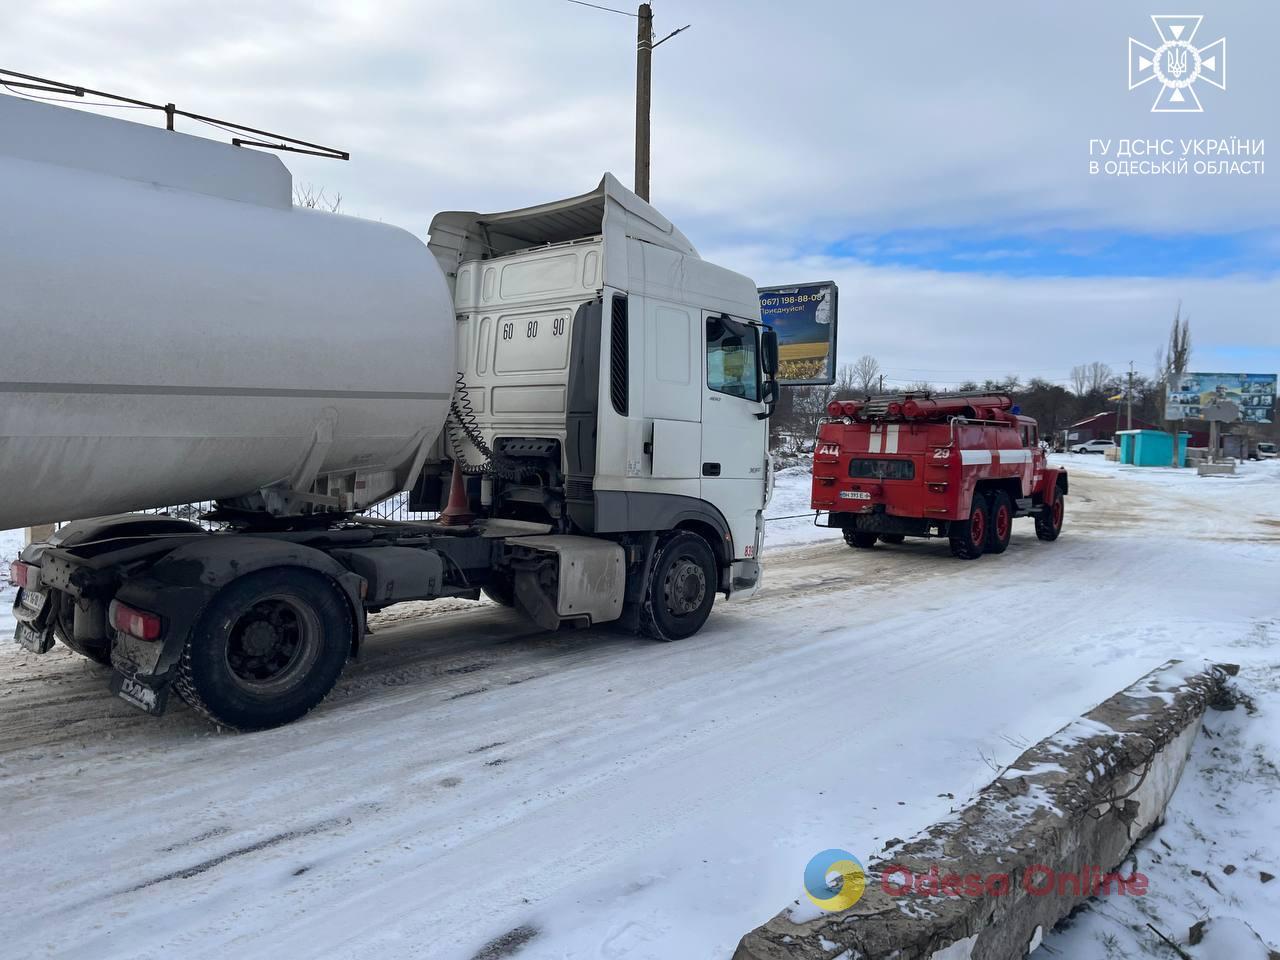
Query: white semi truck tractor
{"type": "Point", "coordinates": [173, 330]}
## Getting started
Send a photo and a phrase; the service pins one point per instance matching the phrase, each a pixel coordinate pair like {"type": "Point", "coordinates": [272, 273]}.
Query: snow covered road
{"type": "Point", "coordinates": [473, 784]}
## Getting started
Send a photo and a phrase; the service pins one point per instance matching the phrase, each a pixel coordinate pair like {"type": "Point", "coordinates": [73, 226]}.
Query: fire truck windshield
{"type": "Point", "coordinates": [881, 469]}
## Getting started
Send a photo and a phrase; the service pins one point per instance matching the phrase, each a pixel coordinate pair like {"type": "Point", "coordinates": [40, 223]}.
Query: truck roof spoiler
{"type": "Point", "coordinates": [610, 210]}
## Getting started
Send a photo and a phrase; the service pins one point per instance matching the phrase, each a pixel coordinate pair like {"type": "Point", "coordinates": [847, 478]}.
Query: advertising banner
{"type": "Point", "coordinates": [804, 316]}
{"type": "Point", "coordinates": [1193, 395]}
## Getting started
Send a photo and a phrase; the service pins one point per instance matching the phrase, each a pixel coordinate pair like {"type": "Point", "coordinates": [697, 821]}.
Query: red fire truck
{"type": "Point", "coordinates": [955, 465]}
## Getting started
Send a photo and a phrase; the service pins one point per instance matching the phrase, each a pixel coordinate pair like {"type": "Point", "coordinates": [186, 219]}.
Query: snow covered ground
{"type": "Point", "coordinates": [477, 789]}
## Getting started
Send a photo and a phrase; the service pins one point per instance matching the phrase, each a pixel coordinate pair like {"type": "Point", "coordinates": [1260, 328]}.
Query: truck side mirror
{"type": "Point", "coordinates": [769, 395]}
{"type": "Point", "coordinates": [769, 352]}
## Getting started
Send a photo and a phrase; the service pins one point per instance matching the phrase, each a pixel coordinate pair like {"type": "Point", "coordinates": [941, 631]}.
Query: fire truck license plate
{"type": "Point", "coordinates": [854, 495]}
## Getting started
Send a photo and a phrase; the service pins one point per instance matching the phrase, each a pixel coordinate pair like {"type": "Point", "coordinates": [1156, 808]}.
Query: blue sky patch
{"type": "Point", "coordinates": [1069, 253]}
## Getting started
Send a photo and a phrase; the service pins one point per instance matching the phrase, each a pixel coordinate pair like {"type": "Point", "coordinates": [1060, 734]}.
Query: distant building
{"type": "Point", "coordinates": [1103, 426]}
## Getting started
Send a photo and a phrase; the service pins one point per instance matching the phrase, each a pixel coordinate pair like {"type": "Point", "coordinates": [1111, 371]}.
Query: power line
{"type": "Point", "coordinates": [596, 6]}
{"type": "Point", "coordinates": [81, 103]}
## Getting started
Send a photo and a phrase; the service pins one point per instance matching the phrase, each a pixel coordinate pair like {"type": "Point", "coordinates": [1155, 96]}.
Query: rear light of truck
{"type": "Point", "coordinates": [24, 575]}
{"type": "Point", "coordinates": [19, 574]}
{"type": "Point", "coordinates": [136, 623]}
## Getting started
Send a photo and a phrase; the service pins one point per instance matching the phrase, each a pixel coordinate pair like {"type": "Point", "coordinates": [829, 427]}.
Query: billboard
{"type": "Point", "coordinates": [1192, 394]}
{"type": "Point", "coordinates": [804, 316]}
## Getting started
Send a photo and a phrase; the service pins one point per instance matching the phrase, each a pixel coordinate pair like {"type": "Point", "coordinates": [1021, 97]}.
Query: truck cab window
{"type": "Point", "coordinates": [733, 364]}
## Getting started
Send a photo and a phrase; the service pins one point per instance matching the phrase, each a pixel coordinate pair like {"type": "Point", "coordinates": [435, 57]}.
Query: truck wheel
{"type": "Point", "coordinates": [268, 648]}
{"type": "Point", "coordinates": [969, 537]}
{"type": "Point", "coordinates": [1049, 521]}
{"type": "Point", "coordinates": [681, 588]}
{"type": "Point", "coordinates": [860, 539]}
{"type": "Point", "coordinates": [893, 538]}
{"type": "Point", "coordinates": [1000, 528]}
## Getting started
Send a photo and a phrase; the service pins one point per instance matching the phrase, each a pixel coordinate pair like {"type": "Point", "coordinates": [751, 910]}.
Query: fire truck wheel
{"type": "Point", "coordinates": [1001, 526]}
{"type": "Point", "coordinates": [860, 539]}
{"type": "Point", "coordinates": [1049, 521]}
{"type": "Point", "coordinates": [969, 537]}
{"type": "Point", "coordinates": [892, 538]}
{"type": "Point", "coordinates": [681, 588]}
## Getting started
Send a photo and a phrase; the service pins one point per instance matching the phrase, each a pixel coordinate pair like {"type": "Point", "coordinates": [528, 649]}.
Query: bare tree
{"type": "Point", "coordinates": [1090, 378]}
{"type": "Point", "coordinates": [313, 198]}
{"type": "Point", "coordinates": [1100, 374]}
{"type": "Point", "coordinates": [1080, 380]}
{"type": "Point", "coordinates": [1177, 357]}
{"type": "Point", "coordinates": [1179, 351]}
{"type": "Point", "coordinates": [865, 373]}
{"type": "Point", "coordinates": [846, 384]}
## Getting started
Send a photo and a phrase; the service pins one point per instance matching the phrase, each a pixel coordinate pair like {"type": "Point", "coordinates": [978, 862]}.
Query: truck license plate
{"type": "Point", "coordinates": [33, 602]}
{"type": "Point", "coordinates": [854, 495]}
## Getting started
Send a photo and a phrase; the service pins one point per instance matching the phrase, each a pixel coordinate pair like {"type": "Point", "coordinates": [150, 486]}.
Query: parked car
{"type": "Point", "coordinates": [1267, 450]}
{"type": "Point", "coordinates": [1093, 446]}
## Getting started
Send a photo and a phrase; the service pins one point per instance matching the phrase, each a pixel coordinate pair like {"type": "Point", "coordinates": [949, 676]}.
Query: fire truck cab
{"type": "Point", "coordinates": [955, 465]}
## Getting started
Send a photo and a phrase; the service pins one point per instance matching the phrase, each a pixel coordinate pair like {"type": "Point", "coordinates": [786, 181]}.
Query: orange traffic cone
{"type": "Point", "coordinates": [457, 513]}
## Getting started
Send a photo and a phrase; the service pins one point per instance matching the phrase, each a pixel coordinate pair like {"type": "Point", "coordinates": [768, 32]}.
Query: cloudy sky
{"type": "Point", "coordinates": [931, 157]}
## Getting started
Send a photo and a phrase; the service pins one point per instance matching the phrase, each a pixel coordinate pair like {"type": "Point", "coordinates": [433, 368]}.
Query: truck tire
{"type": "Point", "coordinates": [860, 539]}
{"type": "Point", "coordinates": [894, 538]}
{"type": "Point", "coordinates": [1049, 519]}
{"type": "Point", "coordinates": [268, 648]}
{"type": "Point", "coordinates": [1000, 529]}
{"type": "Point", "coordinates": [969, 537]}
{"type": "Point", "coordinates": [681, 588]}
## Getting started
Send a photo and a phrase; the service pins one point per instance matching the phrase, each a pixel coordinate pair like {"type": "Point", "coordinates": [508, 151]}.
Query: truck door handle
{"type": "Point", "coordinates": [711, 469]}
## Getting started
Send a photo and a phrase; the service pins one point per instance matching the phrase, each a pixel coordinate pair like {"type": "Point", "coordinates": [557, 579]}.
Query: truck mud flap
{"type": "Point", "coordinates": [148, 694]}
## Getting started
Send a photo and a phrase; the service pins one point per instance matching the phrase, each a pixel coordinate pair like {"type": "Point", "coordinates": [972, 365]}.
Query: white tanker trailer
{"type": "Point", "coordinates": [174, 330]}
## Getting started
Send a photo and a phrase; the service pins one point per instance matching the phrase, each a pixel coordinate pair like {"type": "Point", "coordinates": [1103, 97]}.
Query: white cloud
{"type": "Point", "coordinates": [814, 120]}
{"type": "Point", "coordinates": [956, 326]}
{"type": "Point", "coordinates": [777, 127]}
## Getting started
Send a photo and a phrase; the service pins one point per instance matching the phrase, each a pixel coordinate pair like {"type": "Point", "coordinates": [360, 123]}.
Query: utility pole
{"type": "Point", "coordinates": [644, 87]}
{"type": "Point", "coordinates": [882, 383]}
{"type": "Point", "coordinates": [1129, 397]}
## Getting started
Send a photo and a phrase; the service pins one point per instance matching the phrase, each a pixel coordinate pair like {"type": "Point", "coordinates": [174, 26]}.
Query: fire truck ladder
{"type": "Point", "coordinates": [876, 406]}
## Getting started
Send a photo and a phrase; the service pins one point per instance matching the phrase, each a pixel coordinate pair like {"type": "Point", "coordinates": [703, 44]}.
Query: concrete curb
{"type": "Point", "coordinates": [1073, 804]}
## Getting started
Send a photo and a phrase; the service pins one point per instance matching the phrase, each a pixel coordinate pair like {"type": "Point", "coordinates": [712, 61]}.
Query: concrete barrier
{"type": "Point", "coordinates": [1054, 826]}
{"type": "Point", "coordinates": [1216, 469]}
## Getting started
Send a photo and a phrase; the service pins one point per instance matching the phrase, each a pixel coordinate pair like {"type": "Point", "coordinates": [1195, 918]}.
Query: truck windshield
{"type": "Point", "coordinates": [733, 364]}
